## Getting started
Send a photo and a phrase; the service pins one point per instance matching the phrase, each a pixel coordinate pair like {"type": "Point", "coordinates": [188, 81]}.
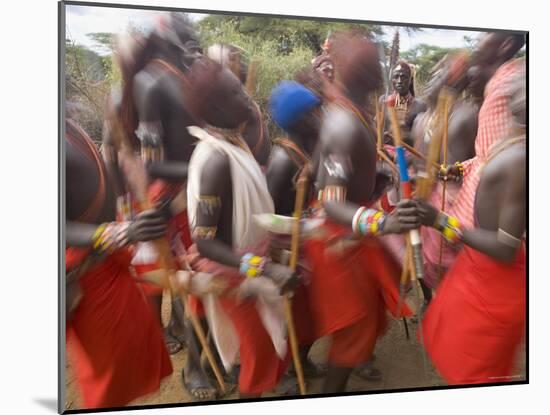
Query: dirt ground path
{"type": "Point", "coordinates": [399, 359]}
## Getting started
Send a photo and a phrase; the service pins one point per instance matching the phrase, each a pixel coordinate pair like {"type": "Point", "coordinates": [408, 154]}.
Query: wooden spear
{"type": "Point", "coordinates": [137, 178]}
{"type": "Point", "coordinates": [251, 78]}
{"type": "Point", "coordinates": [414, 243]}
{"type": "Point", "coordinates": [443, 193]}
{"type": "Point", "coordinates": [379, 124]}
{"type": "Point", "coordinates": [426, 178]}
{"type": "Point", "coordinates": [294, 250]}
{"type": "Point", "coordinates": [406, 188]}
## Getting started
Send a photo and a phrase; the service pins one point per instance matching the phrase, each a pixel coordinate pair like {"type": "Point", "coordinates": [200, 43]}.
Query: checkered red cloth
{"type": "Point", "coordinates": [495, 123]}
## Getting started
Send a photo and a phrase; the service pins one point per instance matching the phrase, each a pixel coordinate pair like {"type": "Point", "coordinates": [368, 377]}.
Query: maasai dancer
{"type": "Point", "coordinates": [461, 132]}
{"type": "Point", "coordinates": [115, 345]}
{"type": "Point", "coordinates": [352, 282]}
{"type": "Point", "coordinates": [491, 60]}
{"type": "Point", "coordinates": [226, 187]}
{"type": "Point", "coordinates": [406, 104]}
{"type": "Point", "coordinates": [154, 108]}
{"type": "Point", "coordinates": [296, 110]}
{"type": "Point", "coordinates": [475, 324]}
{"type": "Point", "coordinates": [255, 132]}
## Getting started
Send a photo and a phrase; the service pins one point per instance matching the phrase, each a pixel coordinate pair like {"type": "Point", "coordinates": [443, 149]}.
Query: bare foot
{"type": "Point", "coordinates": [198, 386]}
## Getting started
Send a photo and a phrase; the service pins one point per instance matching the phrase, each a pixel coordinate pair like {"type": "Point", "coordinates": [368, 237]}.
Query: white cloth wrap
{"type": "Point", "coordinates": [250, 197]}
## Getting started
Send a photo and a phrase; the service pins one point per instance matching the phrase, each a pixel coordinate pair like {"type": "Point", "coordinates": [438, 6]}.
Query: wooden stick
{"type": "Point", "coordinates": [294, 249]}
{"type": "Point", "coordinates": [426, 180]}
{"type": "Point", "coordinates": [379, 124]}
{"type": "Point", "coordinates": [443, 193]}
{"type": "Point", "coordinates": [405, 271]}
{"type": "Point", "coordinates": [406, 190]}
{"type": "Point", "coordinates": [250, 84]}
{"type": "Point", "coordinates": [203, 341]}
{"type": "Point", "coordinates": [416, 283]}
{"type": "Point", "coordinates": [166, 259]}
{"type": "Point", "coordinates": [168, 263]}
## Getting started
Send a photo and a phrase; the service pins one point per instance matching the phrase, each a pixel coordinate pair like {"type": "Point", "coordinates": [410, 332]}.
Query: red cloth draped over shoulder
{"type": "Point", "coordinates": [114, 343]}
{"type": "Point", "coordinates": [345, 285]}
{"type": "Point", "coordinates": [475, 324]}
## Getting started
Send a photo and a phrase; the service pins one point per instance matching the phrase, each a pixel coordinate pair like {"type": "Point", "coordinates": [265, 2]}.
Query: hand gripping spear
{"type": "Point", "coordinates": [413, 238]}
{"type": "Point", "coordinates": [137, 179]}
{"type": "Point", "coordinates": [406, 189]}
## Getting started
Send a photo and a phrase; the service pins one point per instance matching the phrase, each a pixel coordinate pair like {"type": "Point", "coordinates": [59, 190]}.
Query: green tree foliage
{"type": "Point", "coordinates": [103, 40]}
{"type": "Point", "coordinates": [289, 33]}
{"type": "Point", "coordinates": [88, 83]}
{"type": "Point", "coordinates": [279, 47]}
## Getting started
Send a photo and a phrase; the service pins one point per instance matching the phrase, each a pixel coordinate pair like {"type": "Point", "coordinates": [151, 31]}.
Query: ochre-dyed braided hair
{"type": "Point", "coordinates": [356, 62]}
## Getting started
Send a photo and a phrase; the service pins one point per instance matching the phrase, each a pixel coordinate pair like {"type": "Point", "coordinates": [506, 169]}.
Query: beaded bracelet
{"type": "Point", "coordinates": [368, 221]}
{"type": "Point", "coordinates": [252, 265]}
{"type": "Point", "coordinates": [449, 226]}
{"type": "Point", "coordinates": [443, 172]}
{"type": "Point", "coordinates": [460, 168]}
{"type": "Point", "coordinates": [110, 236]}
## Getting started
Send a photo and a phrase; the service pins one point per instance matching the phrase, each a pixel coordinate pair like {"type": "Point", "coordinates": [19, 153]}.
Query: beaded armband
{"type": "Point", "coordinates": [449, 226]}
{"type": "Point", "coordinates": [252, 265]}
{"type": "Point", "coordinates": [109, 237]}
{"type": "Point", "coordinates": [332, 194]}
{"type": "Point", "coordinates": [368, 221]}
{"type": "Point", "coordinates": [204, 232]}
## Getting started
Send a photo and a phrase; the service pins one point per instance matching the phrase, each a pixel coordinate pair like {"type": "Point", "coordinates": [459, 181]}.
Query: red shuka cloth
{"type": "Point", "coordinates": [261, 367]}
{"type": "Point", "coordinates": [178, 229]}
{"type": "Point", "coordinates": [178, 233]}
{"type": "Point", "coordinates": [303, 317]}
{"type": "Point", "coordinates": [350, 292]}
{"type": "Point", "coordinates": [115, 344]}
{"type": "Point", "coordinates": [473, 327]}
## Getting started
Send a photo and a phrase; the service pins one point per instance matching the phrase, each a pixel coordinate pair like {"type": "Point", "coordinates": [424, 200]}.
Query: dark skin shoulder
{"type": "Point", "coordinates": [163, 121]}
{"type": "Point", "coordinates": [501, 202]}
{"type": "Point", "coordinates": [280, 172]}
{"type": "Point", "coordinates": [350, 140]}
{"type": "Point", "coordinates": [417, 107]}
{"type": "Point", "coordinates": [345, 139]}
{"type": "Point", "coordinates": [462, 132]}
{"type": "Point", "coordinates": [501, 194]}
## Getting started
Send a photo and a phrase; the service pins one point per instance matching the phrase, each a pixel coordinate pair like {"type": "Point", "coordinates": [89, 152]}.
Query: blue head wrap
{"type": "Point", "coordinates": [289, 101]}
